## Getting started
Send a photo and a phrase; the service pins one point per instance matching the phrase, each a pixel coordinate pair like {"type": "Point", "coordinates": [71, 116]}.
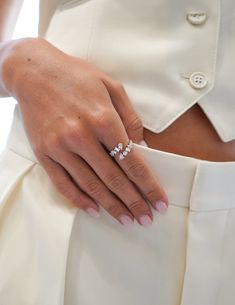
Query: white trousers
{"type": "Point", "coordinates": [54, 254]}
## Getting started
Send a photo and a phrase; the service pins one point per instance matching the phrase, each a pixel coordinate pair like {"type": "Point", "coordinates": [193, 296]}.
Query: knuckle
{"type": "Point", "coordinates": [94, 189]}
{"type": "Point", "coordinates": [64, 189]}
{"type": "Point", "coordinates": [136, 206]}
{"type": "Point", "coordinates": [116, 182]}
{"type": "Point", "coordinates": [53, 143]}
{"type": "Point", "coordinates": [117, 86]}
{"type": "Point", "coordinates": [104, 121]}
{"type": "Point", "coordinates": [135, 124]}
{"type": "Point", "coordinates": [137, 170]}
{"type": "Point", "coordinates": [68, 192]}
{"type": "Point", "coordinates": [114, 209]}
{"type": "Point", "coordinates": [152, 194]}
{"type": "Point", "coordinates": [73, 135]}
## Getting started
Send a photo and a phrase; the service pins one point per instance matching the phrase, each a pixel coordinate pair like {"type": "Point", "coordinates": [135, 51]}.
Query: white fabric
{"type": "Point", "coordinates": [54, 254]}
{"type": "Point", "coordinates": [152, 48]}
{"type": "Point", "coordinates": [149, 46]}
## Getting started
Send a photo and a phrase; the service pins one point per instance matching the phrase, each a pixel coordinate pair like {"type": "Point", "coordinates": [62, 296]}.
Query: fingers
{"type": "Point", "coordinates": [67, 188]}
{"type": "Point", "coordinates": [140, 173]}
{"type": "Point", "coordinates": [90, 183]}
{"type": "Point", "coordinates": [120, 100]}
{"type": "Point", "coordinates": [115, 179]}
{"type": "Point", "coordinates": [84, 169]}
{"type": "Point", "coordinates": [134, 166]}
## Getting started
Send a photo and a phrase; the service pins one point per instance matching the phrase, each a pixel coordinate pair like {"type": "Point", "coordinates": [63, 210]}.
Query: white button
{"type": "Point", "coordinates": [198, 80]}
{"type": "Point", "coordinates": [197, 18]}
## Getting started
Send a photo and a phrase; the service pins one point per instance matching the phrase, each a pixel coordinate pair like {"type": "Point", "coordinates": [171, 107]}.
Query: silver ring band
{"type": "Point", "coordinates": [116, 149]}
{"type": "Point", "coordinates": [126, 150]}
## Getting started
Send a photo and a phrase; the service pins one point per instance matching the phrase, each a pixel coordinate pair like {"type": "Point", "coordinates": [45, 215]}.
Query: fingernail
{"type": "Point", "coordinates": [143, 143]}
{"type": "Point", "coordinates": [145, 220]}
{"type": "Point", "coordinates": [161, 206]}
{"type": "Point", "coordinates": [126, 220]}
{"type": "Point", "coordinates": [93, 212]}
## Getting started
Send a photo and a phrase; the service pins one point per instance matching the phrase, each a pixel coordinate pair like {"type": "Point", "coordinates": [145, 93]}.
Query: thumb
{"type": "Point", "coordinates": [132, 122]}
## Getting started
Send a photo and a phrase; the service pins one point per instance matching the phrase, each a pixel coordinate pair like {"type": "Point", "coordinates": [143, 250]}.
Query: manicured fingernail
{"type": "Point", "coordinates": [145, 220]}
{"type": "Point", "coordinates": [161, 206]}
{"type": "Point", "coordinates": [126, 220]}
{"type": "Point", "coordinates": [93, 212]}
{"type": "Point", "coordinates": [143, 143]}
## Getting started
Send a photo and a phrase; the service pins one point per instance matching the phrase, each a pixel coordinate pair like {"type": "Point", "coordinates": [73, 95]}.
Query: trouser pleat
{"type": "Point", "coordinates": [206, 230]}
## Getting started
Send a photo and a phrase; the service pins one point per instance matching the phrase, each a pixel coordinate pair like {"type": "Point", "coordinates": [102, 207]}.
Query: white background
{"type": "Point", "coordinates": [26, 27]}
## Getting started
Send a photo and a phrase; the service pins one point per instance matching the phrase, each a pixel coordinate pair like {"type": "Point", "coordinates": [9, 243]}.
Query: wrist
{"type": "Point", "coordinates": [14, 57]}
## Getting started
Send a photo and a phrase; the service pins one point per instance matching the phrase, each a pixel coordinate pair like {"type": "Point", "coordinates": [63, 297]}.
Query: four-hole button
{"type": "Point", "coordinates": [198, 80]}
{"type": "Point", "coordinates": [197, 18]}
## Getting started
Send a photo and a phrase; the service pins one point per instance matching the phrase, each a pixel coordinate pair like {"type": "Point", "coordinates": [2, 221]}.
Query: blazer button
{"type": "Point", "coordinates": [197, 18]}
{"type": "Point", "coordinates": [198, 80]}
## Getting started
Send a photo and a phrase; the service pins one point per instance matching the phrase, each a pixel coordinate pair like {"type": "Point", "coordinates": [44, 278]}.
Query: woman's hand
{"type": "Point", "coordinates": [74, 114]}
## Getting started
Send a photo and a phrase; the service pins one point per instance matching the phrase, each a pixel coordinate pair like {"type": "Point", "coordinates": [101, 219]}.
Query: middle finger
{"type": "Point", "coordinates": [114, 178]}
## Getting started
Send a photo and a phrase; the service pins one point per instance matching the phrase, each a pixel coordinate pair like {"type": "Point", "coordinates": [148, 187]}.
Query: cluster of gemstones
{"type": "Point", "coordinates": [119, 147]}
{"type": "Point", "coordinates": [116, 149]}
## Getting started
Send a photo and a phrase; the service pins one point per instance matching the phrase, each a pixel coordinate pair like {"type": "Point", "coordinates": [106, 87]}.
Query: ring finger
{"type": "Point", "coordinates": [88, 181]}
{"type": "Point", "coordinates": [114, 178]}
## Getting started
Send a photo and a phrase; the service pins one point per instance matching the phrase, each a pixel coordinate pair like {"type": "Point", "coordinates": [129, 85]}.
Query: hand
{"type": "Point", "coordinates": [74, 114]}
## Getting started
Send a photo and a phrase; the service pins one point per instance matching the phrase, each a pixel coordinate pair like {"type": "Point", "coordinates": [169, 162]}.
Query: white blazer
{"type": "Point", "coordinates": [168, 54]}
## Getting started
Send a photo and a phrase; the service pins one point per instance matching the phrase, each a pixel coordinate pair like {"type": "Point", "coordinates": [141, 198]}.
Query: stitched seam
{"type": "Point", "coordinates": [182, 295]}
{"type": "Point", "coordinates": [178, 205]}
{"type": "Point", "coordinates": [201, 211]}
{"type": "Point", "coordinates": [214, 210]}
{"type": "Point", "coordinates": [193, 183]}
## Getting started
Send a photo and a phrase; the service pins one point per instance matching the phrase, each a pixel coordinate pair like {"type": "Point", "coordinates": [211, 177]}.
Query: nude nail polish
{"type": "Point", "coordinates": [93, 212]}
{"type": "Point", "coordinates": [126, 220]}
{"type": "Point", "coordinates": [161, 206]}
{"type": "Point", "coordinates": [145, 220]}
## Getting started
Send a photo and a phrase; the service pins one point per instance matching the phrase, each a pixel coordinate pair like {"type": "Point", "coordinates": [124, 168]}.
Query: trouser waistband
{"type": "Point", "coordinates": [200, 185]}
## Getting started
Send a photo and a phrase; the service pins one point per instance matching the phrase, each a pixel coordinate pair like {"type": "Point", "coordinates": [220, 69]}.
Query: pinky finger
{"type": "Point", "coordinates": [68, 188]}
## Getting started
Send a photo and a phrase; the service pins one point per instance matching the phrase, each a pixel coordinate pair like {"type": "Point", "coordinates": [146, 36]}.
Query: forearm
{"type": "Point", "coordinates": [9, 10]}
